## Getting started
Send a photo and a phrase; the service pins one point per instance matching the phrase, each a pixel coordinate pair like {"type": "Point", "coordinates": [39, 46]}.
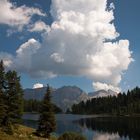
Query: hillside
{"type": "Point", "coordinates": [22, 133]}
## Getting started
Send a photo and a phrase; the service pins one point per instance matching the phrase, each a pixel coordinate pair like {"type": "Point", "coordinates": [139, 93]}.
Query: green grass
{"type": "Point", "coordinates": [22, 133]}
{"type": "Point", "coordinates": [26, 133]}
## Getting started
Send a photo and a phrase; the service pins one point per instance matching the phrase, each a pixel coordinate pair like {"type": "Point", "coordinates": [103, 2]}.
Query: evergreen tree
{"type": "Point", "coordinates": [15, 95]}
{"type": "Point", "coordinates": [47, 122]}
{"type": "Point", "coordinates": [14, 101]}
{"type": "Point", "coordinates": [10, 99]}
{"type": "Point", "coordinates": [2, 93]}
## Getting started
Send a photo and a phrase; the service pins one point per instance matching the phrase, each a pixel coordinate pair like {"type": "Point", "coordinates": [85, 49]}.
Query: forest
{"type": "Point", "coordinates": [123, 104]}
{"type": "Point", "coordinates": [33, 105]}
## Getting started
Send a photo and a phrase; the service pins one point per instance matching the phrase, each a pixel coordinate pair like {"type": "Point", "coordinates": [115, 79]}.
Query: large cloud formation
{"type": "Point", "coordinates": [79, 42]}
{"type": "Point", "coordinates": [13, 16]}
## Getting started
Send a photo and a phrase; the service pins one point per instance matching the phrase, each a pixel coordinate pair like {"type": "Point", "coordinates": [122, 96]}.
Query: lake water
{"type": "Point", "coordinates": [93, 127]}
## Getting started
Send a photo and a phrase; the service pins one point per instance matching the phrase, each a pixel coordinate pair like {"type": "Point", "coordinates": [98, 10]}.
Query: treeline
{"type": "Point", "coordinates": [33, 105]}
{"type": "Point", "coordinates": [123, 104]}
{"type": "Point", "coordinates": [11, 101]}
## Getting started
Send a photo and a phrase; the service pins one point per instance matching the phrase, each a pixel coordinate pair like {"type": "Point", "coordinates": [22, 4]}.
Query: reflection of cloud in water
{"type": "Point", "coordinates": [105, 136]}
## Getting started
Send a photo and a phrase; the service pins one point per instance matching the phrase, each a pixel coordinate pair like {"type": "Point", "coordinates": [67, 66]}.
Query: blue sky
{"type": "Point", "coordinates": [126, 21]}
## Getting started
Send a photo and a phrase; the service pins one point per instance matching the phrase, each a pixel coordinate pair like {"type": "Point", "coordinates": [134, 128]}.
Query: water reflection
{"type": "Point", "coordinates": [112, 128]}
{"type": "Point", "coordinates": [107, 136]}
{"type": "Point", "coordinates": [93, 127]}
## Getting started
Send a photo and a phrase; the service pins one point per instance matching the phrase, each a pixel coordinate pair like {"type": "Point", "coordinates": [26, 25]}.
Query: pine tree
{"type": "Point", "coordinates": [14, 100]}
{"type": "Point", "coordinates": [2, 93]}
{"type": "Point", "coordinates": [47, 122]}
{"type": "Point", "coordinates": [10, 99]}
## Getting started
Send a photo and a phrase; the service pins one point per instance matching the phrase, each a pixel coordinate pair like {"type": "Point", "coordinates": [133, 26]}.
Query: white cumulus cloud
{"type": "Point", "coordinates": [15, 16]}
{"type": "Point", "coordinates": [38, 85]}
{"type": "Point", "coordinates": [98, 86]}
{"type": "Point", "coordinates": [79, 42]}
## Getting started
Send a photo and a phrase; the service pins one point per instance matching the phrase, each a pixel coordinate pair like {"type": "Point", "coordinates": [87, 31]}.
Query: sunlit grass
{"type": "Point", "coordinates": [22, 133]}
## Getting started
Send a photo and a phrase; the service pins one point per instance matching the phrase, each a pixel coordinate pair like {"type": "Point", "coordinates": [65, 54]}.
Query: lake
{"type": "Point", "coordinates": [93, 127]}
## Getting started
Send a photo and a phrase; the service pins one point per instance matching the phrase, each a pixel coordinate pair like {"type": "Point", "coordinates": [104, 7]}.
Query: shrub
{"type": "Point", "coordinates": [71, 136]}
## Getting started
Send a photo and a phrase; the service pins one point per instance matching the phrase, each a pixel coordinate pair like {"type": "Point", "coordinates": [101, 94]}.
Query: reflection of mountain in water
{"type": "Point", "coordinates": [124, 126]}
{"type": "Point", "coordinates": [105, 128]}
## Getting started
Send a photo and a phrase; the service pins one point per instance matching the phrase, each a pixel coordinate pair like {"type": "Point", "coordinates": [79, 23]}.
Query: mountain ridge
{"type": "Point", "coordinates": [64, 97]}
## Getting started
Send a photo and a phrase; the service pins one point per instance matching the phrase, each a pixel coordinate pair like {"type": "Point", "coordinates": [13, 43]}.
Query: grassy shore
{"type": "Point", "coordinates": [22, 133]}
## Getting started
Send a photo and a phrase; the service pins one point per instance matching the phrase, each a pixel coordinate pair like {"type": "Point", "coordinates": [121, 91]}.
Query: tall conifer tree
{"type": "Point", "coordinates": [11, 101]}
{"type": "Point", "coordinates": [14, 100]}
{"type": "Point", "coordinates": [47, 122]}
{"type": "Point", "coordinates": [3, 106]}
